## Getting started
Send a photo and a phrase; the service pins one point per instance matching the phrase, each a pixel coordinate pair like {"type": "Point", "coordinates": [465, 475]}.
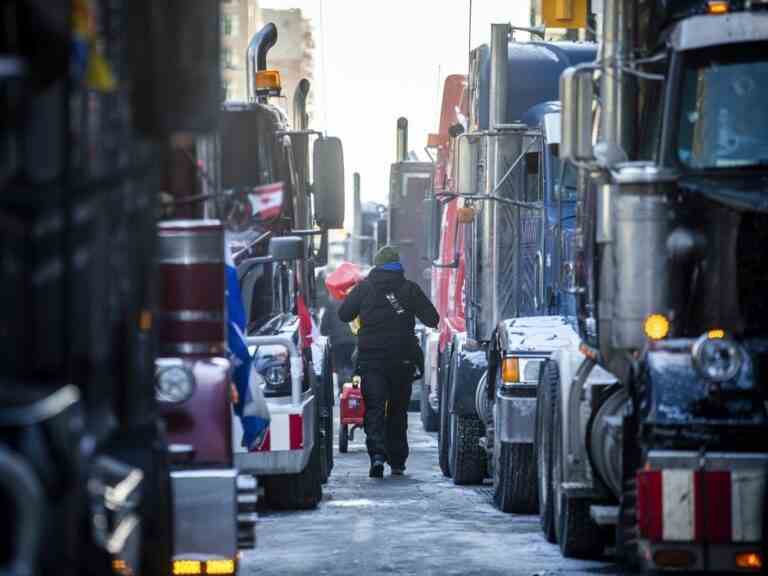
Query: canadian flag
{"type": "Point", "coordinates": [267, 201]}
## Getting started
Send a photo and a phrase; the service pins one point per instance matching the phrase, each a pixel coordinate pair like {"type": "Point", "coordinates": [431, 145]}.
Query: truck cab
{"type": "Point", "coordinates": [276, 209]}
{"type": "Point", "coordinates": [673, 324]}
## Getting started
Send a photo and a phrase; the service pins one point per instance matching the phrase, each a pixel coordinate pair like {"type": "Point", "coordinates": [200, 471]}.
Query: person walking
{"type": "Point", "coordinates": [387, 304]}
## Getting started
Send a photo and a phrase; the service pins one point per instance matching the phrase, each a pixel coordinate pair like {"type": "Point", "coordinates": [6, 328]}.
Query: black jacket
{"type": "Point", "coordinates": [388, 305]}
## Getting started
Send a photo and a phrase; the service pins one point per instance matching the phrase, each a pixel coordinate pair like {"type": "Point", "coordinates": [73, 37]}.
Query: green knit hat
{"type": "Point", "coordinates": [387, 255]}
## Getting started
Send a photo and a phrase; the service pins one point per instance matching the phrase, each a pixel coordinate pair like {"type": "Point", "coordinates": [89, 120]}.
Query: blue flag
{"type": "Point", "coordinates": [251, 406]}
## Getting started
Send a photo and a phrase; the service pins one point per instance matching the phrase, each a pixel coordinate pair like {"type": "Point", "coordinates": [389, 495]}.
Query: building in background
{"type": "Point", "coordinates": [293, 53]}
{"type": "Point", "coordinates": [240, 20]}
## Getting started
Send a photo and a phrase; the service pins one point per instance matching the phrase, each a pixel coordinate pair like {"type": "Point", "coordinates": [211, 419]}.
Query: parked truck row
{"type": "Point", "coordinates": [589, 230]}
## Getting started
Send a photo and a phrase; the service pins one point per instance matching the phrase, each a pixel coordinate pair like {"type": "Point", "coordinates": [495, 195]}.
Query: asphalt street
{"type": "Point", "coordinates": [417, 524]}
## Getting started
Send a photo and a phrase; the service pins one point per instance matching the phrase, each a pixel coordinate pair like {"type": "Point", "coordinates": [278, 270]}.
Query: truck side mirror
{"type": "Point", "coordinates": [576, 95]}
{"type": "Point", "coordinates": [432, 214]}
{"type": "Point", "coordinates": [328, 163]}
{"type": "Point", "coordinates": [466, 162]}
{"type": "Point", "coordinates": [286, 248]}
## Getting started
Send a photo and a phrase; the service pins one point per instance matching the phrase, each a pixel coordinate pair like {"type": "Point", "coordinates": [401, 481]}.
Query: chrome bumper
{"type": "Point", "coordinates": [515, 415]}
{"type": "Point", "coordinates": [214, 513]}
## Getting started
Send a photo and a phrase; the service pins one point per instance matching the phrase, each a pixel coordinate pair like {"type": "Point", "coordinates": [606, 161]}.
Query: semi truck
{"type": "Point", "coordinates": [277, 207]}
{"type": "Point", "coordinates": [493, 219]}
{"type": "Point", "coordinates": [650, 424]}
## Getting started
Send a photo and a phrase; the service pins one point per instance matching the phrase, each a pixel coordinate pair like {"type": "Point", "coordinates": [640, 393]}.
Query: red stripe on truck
{"type": "Point", "coordinates": [650, 504]}
{"type": "Point", "coordinates": [296, 427]}
{"type": "Point", "coordinates": [713, 506]}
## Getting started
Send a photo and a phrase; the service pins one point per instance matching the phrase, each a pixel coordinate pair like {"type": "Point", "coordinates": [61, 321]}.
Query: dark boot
{"type": "Point", "coordinates": [377, 467]}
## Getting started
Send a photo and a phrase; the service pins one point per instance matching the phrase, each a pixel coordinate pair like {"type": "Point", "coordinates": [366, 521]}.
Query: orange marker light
{"type": "Point", "coordinates": [716, 334]}
{"type": "Point", "coordinates": [656, 326]}
{"type": "Point", "coordinates": [717, 7]}
{"type": "Point", "coordinates": [749, 560]}
{"type": "Point", "coordinates": [510, 370]}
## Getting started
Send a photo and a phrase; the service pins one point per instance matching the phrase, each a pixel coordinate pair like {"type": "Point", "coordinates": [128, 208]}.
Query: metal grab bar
{"type": "Point", "coordinates": [297, 368]}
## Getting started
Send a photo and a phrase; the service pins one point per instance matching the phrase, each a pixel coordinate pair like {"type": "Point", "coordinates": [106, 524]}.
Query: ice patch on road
{"type": "Point", "coordinates": [367, 503]}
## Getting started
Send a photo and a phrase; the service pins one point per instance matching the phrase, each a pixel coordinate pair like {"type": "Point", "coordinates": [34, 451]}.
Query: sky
{"type": "Point", "coordinates": [378, 60]}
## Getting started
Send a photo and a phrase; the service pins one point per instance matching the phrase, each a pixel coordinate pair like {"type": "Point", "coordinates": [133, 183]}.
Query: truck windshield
{"type": "Point", "coordinates": [723, 114]}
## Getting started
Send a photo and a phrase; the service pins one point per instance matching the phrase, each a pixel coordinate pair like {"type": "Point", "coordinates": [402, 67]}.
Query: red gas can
{"type": "Point", "coordinates": [351, 412]}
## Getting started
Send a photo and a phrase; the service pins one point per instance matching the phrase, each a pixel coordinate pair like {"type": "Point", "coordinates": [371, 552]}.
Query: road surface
{"type": "Point", "coordinates": [417, 524]}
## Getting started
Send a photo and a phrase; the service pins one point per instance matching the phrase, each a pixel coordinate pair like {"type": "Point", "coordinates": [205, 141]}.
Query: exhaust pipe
{"type": "Point", "coordinates": [300, 118]}
{"type": "Point", "coordinates": [402, 139]}
{"type": "Point", "coordinates": [256, 54]}
{"type": "Point", "coordinates": [499, 64]}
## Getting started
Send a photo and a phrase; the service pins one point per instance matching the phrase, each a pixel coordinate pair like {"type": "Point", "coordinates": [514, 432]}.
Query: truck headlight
{"type": "Point", "coordinates": [275, 376]}
{"type": "Point", "coordinates": [174, 384]}
{"type": "Point", "coordinates": [516, 370]}
{"type": "Point", "coordinates": [717, 359]}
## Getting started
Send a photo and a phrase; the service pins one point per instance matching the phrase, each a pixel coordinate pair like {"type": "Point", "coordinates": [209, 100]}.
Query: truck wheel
{"type": "Point", "coordinates": [467, 458]}
{"type": "Point", "coordinates": [429, 419]}
{"type": "Point", "coordinates": [514, 478]}
{"type": "Point", "coordinates": [443, 438]}
{"type": "Point", "coordinates": [343, 438]}
{"type": "Point", "coordinates": [300, 491]}
{"type": "Point", "coordinates": [326, 420]}
{"type": "Point", "coordinates": [577, 534]}
{"type": "Point", "coordinates": [580, 537]}
{"type": "Point", "coordinates": [546, 401]}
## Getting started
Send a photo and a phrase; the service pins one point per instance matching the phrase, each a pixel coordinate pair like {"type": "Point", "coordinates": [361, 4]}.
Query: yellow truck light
{"type": "Point", "coordinates": [220, 566]}
{"type": "Point", "coordinates": [716, 334]}
{"type": "Point", "coordinates": [267, 82]}
{"type": "Point", "coordinates": [749, 560]}
{"type": "Point", "coordinates": [717, 7]}
{"type": "Point", "coordinates": [510, 370]}
{"type": "Point", "coordinates": [656, 326]}
{"type": "Point", "coordinates": [184, 567]}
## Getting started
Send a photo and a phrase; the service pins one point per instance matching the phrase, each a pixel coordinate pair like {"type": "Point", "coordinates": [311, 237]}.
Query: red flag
{"type": "Point", "coordinates": [305, 322]}
{"type": "Point", "coordinates": [267, 201]}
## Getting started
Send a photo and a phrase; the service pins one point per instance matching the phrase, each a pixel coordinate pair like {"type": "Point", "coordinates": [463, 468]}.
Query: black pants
{"type": "Point", "coordinates": [386, 390]}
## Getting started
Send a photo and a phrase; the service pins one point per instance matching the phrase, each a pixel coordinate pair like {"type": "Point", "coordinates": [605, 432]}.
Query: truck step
{"type": "Point", "coordinates": [604, 515]}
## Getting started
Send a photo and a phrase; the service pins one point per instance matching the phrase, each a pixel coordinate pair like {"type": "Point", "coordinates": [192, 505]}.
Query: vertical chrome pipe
{"type": "Point", "coordinates": [402, 139]}
{"type": "Point", "coordinates": [300, 117]}
{"type": "Point", "coordinates": [499, 66]}
{"type": "Point", "coordinates": [256, 54]}
{"type": "Point", "coordinates": [357, 230]}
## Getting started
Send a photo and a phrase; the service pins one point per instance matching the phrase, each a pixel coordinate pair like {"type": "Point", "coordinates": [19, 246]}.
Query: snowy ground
{"type": "Point", "coordinates": [417, 524]}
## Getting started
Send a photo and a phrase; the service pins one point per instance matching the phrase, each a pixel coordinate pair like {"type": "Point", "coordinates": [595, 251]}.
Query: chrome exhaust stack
{"type": "Point", "coordinates": [256, 56]}
{"type": "Point", "coordinates": [402, 140]}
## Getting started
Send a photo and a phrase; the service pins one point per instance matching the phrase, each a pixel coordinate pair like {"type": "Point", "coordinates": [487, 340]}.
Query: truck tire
{"type": "Point", "coordinates": [302, 491]}
{"type": "Point", "coordinates": [514, 478]}
{"type": "Point", "coordinates": [429, 419]}
{"type": "Point", "coordinates": [326, 416]}
{"type": "Point", "coordinates": [467, 458]}
{"type": "Point", "coordinates": [577, 534]}
{"type": "Point", "coordinates": [443, 438]}
{"type": "Point", "coordinates": [343, 438]}
{"type": "Point", "coordinates": [547, 394]}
